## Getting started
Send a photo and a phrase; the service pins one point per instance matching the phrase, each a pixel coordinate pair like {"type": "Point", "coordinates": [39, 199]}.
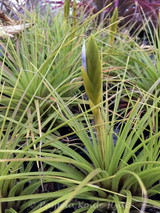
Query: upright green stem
{"type": "Point", "coordinates": [100, 135]}
{"type": "Point", "coordinates": [92, 76]}
{"type": "Point", "coordinates": [67, 4]}
{"type": "Point", "coordinates": [113, 26]}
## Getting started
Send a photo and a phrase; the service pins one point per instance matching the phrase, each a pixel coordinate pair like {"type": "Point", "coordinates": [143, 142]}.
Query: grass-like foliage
{"type": "Point", "coordinates": [109, 159]}
{"type": "Point", "coordinates": [143, 65]}
{"type": "Point", "coordinates": [47, 52]}
{"type": "Point", "coordinates": [124, 176]}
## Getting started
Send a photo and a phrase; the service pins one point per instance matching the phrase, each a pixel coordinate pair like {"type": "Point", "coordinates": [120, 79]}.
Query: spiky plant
{"type": "Point", "coordinates": [124, 179]}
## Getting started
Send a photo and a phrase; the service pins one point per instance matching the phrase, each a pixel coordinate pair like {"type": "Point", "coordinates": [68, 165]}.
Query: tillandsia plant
{"type": "Point", "coordinates": [16, 139]}
{"type": "Point", "coordinates": [43, 53]}
{"type": "Point", "coordinates": [128, 181]}
{"type": "Point", "coordinates": [20, 171]}
{"type": "Point", "coordinates": [143, 66]}
{"type": "Point", "coordinates": [48, 52]}
{"type": "Point", "coordinates": [125, 179]}
{"type": "Point", "coordinates": [99, 174]}
{"type": "Point", "coordinates": [145, 60]}
{"type": "Point", "coordinates": [120, 179]}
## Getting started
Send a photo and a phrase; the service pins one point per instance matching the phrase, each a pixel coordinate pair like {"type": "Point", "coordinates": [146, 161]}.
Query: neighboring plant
{"type": "Point", "coordinates": [47, 52]}
{"type": "Point", "coordinates": [143, 65]}
{"type": "Point", "coordinates": [21, 169]}
{"type": "Point", "coordinates": [13, 167]}
{"type": "Point", "coordinates": [145, 61]}
{"type": "Point", "coordinates": [132, 12]}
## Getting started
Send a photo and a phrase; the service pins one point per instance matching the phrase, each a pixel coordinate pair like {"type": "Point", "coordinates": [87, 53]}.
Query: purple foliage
{"type": "Point", "coordinates": [132, 10]}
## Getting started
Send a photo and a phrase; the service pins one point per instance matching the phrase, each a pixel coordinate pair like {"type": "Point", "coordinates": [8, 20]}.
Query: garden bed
{"type": "Point", "coordinates": [79, 108]}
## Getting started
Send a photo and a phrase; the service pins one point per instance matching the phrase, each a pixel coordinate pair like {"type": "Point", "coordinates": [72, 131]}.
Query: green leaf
{"type": "Point", "coordinates": [113, 26]}
{"type": "Point", "coordinates": [114, 19]}
{"type": "Point", "coordinates": [66, 8]}
{"type": "Point", "coordinates": [88, 85]}
{"type": "Point", "coordinates": [92, 77]}
{"type": "Point", "coordinates": [93, 62]}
